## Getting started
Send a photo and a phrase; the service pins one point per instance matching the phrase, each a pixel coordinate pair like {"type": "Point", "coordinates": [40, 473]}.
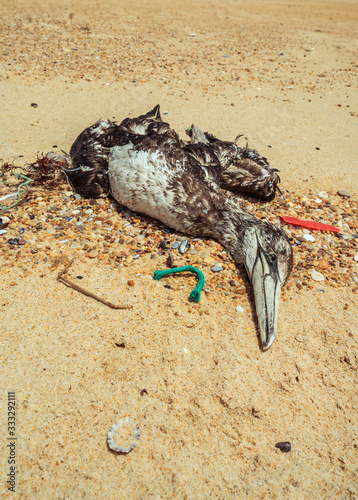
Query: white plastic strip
{"type": "Point", "coordinates": [123, 449]}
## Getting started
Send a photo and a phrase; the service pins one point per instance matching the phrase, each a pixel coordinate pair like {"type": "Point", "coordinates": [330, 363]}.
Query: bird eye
{"type": "Point", "coordinates": [272, 257]}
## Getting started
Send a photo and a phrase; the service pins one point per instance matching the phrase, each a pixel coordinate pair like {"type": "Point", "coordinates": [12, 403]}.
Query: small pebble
{"type": "Point", "coordinates": [308, 237]}
{"type": "Point", "coordinates": [232, 283]}
{"type": "Point", "coordinates": [217, 269]}
{"type": "Point", "coordinates": [93, 253]}
{"type": "Point", "coordinates": [317, 276]}
{"type": "Point", "coordinates": [130, 283]}
{"type": "Point", "coordinates": [323, 195]}
{"type": "Point", "coordinates": [344, 192]}
{"type": "Point", "coordinates": [170, 261]}
{"type": "Point", "coordinates": [240, 309]}
{"type": "Point", "coordinates": [285, 446]}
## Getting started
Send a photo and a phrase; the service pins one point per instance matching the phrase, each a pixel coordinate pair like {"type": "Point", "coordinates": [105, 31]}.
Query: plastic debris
{"type": "Point", "coordinates": [123, 449]}
{"type": "Point", "coordinates": [309, 224]}
{"type": "Point", "coordinates": [195, 294]}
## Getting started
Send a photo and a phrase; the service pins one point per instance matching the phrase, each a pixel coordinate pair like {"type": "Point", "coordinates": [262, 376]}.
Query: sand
{"type": "Point", "coordinates": [282, 73]}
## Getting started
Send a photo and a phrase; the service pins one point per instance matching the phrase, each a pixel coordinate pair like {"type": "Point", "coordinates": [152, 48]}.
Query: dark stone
{"type": "Point", "coordinates": [285, 446]}
{"type": "Point", "coordinates": [170, 261]}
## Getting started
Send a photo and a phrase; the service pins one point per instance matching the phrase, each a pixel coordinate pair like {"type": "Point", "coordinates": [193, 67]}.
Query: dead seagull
{"type": "Point", "coordinates": [147, 168]}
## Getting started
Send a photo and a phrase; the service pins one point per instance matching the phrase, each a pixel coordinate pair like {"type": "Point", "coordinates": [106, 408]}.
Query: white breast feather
{"type": "Point", "coordinates": [140, 180]}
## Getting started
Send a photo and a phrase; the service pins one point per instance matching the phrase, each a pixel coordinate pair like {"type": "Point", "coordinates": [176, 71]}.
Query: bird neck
{"type": "Point", "coordinates": [228, 225]}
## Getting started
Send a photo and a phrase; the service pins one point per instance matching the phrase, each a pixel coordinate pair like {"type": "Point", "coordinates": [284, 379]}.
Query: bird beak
{"type": "Point", "coordinates": [267, 290]}
{"type": "Point", "coordinates": [265, 278]}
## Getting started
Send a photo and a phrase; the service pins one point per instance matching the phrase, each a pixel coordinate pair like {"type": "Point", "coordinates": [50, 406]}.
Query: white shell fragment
{"type": "Point", "coordinates": [240, 309]}
{"type": "Point", "coordinates": [308, 237]}
{"type": "Point", "coordinates": [123, 449]}
{"type": "Point", "coordinates": [356, 257]}
{"type": "Point", "coordinates": [323, 194]}
{"type": "Point", "coordinates": [317, 276]}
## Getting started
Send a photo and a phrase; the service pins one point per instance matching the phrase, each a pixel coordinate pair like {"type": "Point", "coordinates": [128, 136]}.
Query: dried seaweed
{"type": "Point", "coordinates": [45, 171]}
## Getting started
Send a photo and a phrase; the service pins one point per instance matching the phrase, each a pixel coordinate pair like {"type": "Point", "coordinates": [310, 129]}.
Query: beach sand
{"type": "Point", "coordinates": [209, 403]}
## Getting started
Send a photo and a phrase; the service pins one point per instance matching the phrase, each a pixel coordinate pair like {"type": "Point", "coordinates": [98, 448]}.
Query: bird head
{"type": "Point", "coordinates": [268, 258]}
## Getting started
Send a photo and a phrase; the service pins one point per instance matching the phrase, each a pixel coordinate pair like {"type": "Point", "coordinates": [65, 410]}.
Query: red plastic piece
{"type": "Point", "coordinates": [309, 224]}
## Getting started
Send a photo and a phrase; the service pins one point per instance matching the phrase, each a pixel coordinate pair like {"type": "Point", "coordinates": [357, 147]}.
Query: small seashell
{"type": "Point", "coordinates": [309, 237]}
{"type": "Point", "coordinates": [240, 309]}
{"type": "Point", "coordinates": [123, 449]}
{"type": "Point", "coordinates": [182, 246]}
{"type": "Point", "coordinates": [323, 194]}
{"type": "Point", "coordinates": [217, 269]}
{"type": "Point", "coordinates": [356, 257]}
{"type": "Point", "coordinates": [162, 245]}
{"type": "Point", "coordinates": [175, 244]}
{"type": "Point", "coordinates": [13, 241]}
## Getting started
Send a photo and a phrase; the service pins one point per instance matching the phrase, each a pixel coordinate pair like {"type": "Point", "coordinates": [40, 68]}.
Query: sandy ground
{"type": "Point", "coordinates": [282, 73]}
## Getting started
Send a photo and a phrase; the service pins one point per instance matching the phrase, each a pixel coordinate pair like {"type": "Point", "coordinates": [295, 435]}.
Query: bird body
{"type": "Point", "coordinates": [150, 170]}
